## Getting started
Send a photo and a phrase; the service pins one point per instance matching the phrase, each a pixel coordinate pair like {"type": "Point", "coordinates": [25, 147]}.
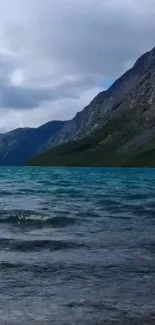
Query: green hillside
{"type": "Point", "coordinates": [98, 150]}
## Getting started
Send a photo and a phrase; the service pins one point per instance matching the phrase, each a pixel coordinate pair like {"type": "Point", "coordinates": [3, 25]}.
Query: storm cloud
{"type": "Point", "coordinates": [55, 55]}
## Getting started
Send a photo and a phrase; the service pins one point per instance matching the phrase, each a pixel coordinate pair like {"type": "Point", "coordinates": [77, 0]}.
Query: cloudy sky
{"type": "Point", "coordinates": [56, 55]}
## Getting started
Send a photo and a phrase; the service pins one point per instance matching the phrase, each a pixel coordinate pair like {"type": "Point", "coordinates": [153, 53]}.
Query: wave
{"type": "Point", "coordinates": [67, 268]}
{"type": "Point", "coordinates": [37, 245]}
{"type": "Point", "coordinates": [26, 217]}
{"type": "Point", "coordinates": [6, 193]}
{"type": "Point", "coordinates": [38, 268]}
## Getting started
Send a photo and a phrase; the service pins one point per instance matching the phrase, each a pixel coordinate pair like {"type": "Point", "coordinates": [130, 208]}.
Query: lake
{"type": "Point", "coordinates": [77, 246]}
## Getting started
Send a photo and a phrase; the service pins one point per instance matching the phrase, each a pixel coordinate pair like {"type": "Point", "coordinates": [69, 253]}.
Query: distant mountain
{"type": "Point", "coordinates": [116, 129]}
{"type": "Point", "coordinates": [21, 144]}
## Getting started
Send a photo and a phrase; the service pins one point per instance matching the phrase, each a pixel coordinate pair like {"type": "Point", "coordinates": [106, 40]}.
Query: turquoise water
{"type": "Point", "coordinates": [77, 246]}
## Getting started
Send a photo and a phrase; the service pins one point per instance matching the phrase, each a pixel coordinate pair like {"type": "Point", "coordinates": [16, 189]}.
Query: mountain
{"type": "Point", "coordinates": [106, 103]}
{"type": "Point", "coordinates": [116, 129]}
{"type": "Point", "coordinates": [21, 144]}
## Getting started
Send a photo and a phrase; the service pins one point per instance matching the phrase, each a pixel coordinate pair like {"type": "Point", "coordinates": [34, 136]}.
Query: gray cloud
{"type": "Point", "coordinates": [54, 54]}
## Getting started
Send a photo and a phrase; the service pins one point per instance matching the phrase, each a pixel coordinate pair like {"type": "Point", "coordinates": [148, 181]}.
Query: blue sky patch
{"type": "Point", "coordinates": [106, 83]}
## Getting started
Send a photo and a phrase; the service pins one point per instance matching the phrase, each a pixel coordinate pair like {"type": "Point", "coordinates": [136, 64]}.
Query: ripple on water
{"type": "Point", "coordinates": [77, 246]}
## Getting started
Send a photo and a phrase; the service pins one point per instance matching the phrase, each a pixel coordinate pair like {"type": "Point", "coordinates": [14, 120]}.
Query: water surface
{"type": "Point", "coordinates": [77, 246]}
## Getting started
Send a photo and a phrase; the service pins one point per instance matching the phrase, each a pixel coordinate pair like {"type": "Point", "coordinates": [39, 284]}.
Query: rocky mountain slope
{"type": "Point", "coordinates": [116, 128]}
{"type": "Point", "coordinates": [108, 102]}
{"type": "Point", "coordinates": [21, 144]}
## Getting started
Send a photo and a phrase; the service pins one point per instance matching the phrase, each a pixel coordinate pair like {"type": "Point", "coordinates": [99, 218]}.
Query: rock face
{"type": "Point", "coordinates": [116, 127]}
{"type": "Point", "coordinates": [21, 144]}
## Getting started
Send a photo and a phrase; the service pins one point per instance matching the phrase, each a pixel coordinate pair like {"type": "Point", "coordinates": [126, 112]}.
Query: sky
{"type": "Point", "coordinates": [56, 55]}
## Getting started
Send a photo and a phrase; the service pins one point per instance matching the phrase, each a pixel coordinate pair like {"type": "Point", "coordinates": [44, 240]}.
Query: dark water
{"type": "Point", "coordinates": [77, 246]}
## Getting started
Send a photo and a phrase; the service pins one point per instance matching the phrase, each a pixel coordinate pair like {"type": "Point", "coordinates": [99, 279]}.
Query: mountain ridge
{"type": "Point", "coordinates": [21, 144]}
{"type": "Point", "coordinates": [89, 118]}
{"type": "Point", "coordinates": [116, 117]}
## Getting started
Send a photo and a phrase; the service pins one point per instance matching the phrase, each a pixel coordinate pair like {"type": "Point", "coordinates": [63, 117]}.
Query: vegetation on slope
{"type": "Point", "coordinates": [104, 146]}
{"type": "Point", "coordinates": [76, 154]}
